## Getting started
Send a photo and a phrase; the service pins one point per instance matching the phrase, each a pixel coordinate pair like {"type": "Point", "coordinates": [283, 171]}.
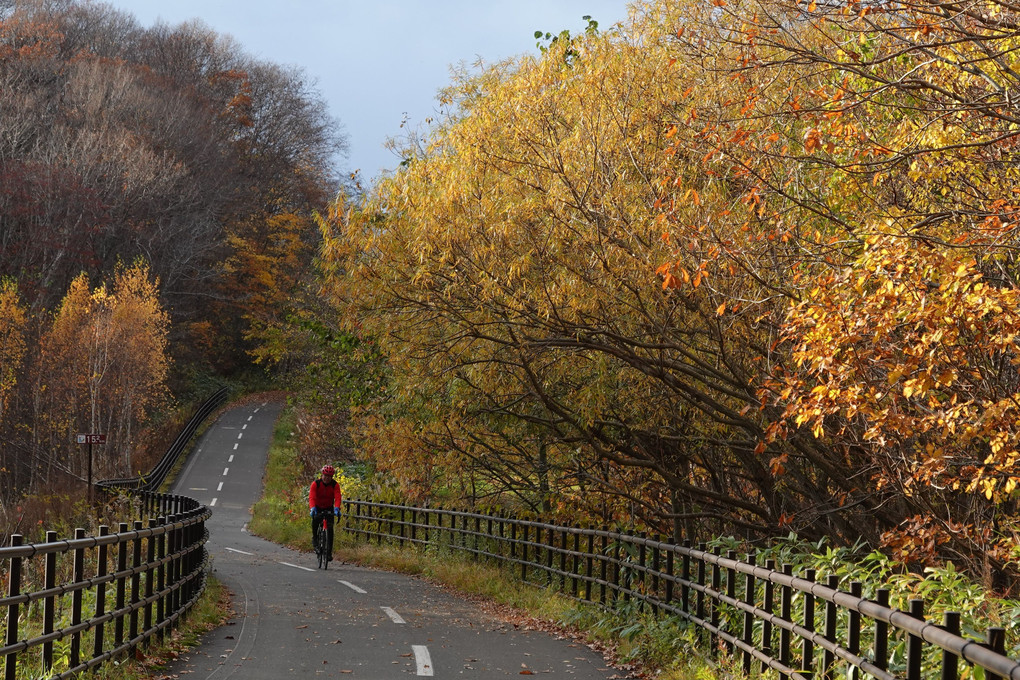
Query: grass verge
{"type": "Point", "coordinates": [628, 638]}
{"type": "Point", "coordinates": [211, 611]}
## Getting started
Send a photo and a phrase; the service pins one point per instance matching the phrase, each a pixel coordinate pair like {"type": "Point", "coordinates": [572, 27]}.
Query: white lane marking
{"type": "Point", "coordinates": [239, 551]}
{"type": "Point", "coordinates": [394, 617]}
{"type": "Point", "coordinates": [220, 487]}
{"type": "Point", "coordinates": [255, 411]}
{"type": "Point", "coordinates": [198, 488]}
{"type": "Point", "coordinates": [240, 434]}
{"type": "Point", "coordinates": [296, 566]}
{"type": "Point", "coordinates": [225, 471]}
{"type": "Point", "coordinates": [353, 587]}
{"type": "Point", "coordinates": [249, 418]}
{"type": "Point", "coordinates": [235, 447]}
{"type": "Point", "coordinates": [231, 459]}
{"type": "Point", "coordinates": [212, 503]}
{"type": "Point", "coordinates": [422, 659]}
{"type": "Point", "coordinates": [245, 426]}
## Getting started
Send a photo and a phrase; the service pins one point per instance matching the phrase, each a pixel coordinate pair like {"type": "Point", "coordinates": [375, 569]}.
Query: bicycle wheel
{"type": "Point", "coordinates": [320, 539]}
{"type": "Point", "coordinates": [324, 543]}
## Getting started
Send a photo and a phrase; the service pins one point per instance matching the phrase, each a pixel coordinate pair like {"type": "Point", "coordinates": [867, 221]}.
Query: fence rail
{"type": "Point", "coordinates": [769, 618]}
{"type": "Point", "coordinates": [141, 579]}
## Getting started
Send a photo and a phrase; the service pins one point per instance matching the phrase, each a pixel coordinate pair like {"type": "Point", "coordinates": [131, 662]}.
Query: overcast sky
{"type": "Point", "coordinates": [377, 61]}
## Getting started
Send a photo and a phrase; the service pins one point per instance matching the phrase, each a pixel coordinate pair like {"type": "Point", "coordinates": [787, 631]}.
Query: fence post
{"type": "Point", "coordinates": [700, 598]}
{"type": "Point", "coordinates": [685, 578]}
{"type": "Point", "coordinates": [478, 531]}
{"type": "Point", "coordinates": [550, 542]}
{"type": "Point", "coordinates": [996, 641]}
{"type": "Point", "coordinates": [603, 564]}
{"type": "Point", "coordinates": [768, 604]}
{"type": "Point", "coordinates": [853, 625]}
{"type": "Point", "coordinates": [574, 563]}
{"type": "Point", "coordinates": [524, 552]}
{"type": "Point", "coordinates": [13, 590]}
{"type": "Point", "coordinates": [490, 543]}
{"type": "Point", "coordinates": [173, 571]}
{"type": "Point", "coordinates": [150, 557]}
{"type": "Point", "coordinates": [714, 602]}
{"type": "Point", "coordinates": [563, 559]}
{"type": "Point", "coordinates": [513, 539]}
{"type": "Point", "coordinates": [829, 659]}
{"type": "Point", "coordinates": [101, 569]}
{"type": "Point", "coordinates": [656, 566]}
{"type": "Point", "coordinates": [749, 600]}
{"type": "Point", "coordinates": [731, 590]}
{"type": "Point", "coordinates": [136, 578]}
{"type": "Point", "coordinates": [161, 574]}
{"type": "Point", "coordinates": [914, 649]}
{"type": "Point", "coordinates": [882, 632]}
{"type": "Point", "coordinates": [49, 606]}
{"type": "Point", "coordinates": [670, 569]}
{"type": "Point", "coordinates": [589, 563]}
{"type": "Point", "coordinates": [950, 662]}
{"type": "Point", "coordinates": [641, 584]}
{"type": "Point", "coordinates": [76, 598]}
{"type": "Point", "coordinates": [786, 614]}
{"type": "Point", "coordinates": [808, 661]}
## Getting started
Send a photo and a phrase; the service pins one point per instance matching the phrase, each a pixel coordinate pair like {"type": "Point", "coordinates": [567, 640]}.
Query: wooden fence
{"type": "Point", "coordinates": [114, 592]}
{"type": "Point", "coordinates": [769, 617]}
{"type": "Point", "coordinates": [75, 603]}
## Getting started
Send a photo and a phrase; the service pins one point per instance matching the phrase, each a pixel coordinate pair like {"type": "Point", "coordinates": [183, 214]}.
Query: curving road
{"type": "Point", "coordinates": [293, 620]}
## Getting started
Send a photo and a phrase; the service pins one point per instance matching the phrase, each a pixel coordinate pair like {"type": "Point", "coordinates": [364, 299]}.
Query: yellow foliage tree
{"type": "Point", "coordinates": [103, 368]}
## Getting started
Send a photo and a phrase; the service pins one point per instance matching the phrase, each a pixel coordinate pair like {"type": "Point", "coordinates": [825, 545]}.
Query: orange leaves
{"type": "Point", "coordinates": [903, 342]}
{"type": "Point", "coordinates": [812, 140]}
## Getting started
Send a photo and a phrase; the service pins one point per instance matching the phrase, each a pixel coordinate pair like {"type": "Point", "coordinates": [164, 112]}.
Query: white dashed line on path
{"type": "Point", "coordinates": [422, 659]}
{"type": "Point", "coordinates": [240, 434]}
{"type": "Point", "coordinates": [212, 503]}
{"type": "Point", "coordinates": [353, 587]}
{"type": "Point", "coordinates": [245, 426]}
{"type": "Point", "coordinates": [220, 487]}
{"type": "Point", "coordinates": [394, 617]}
{"type": "Point", "coordinates": [249, 418]}
{"type": "Point", "coordinates": [231, 459]}
{"type": "Point", "coordinates": [296, 566]}
{"type": "Point", "coordinates": [225, 471]}
{"type": "Point", "coordinates": [235, 447]}
{"type": "Point", "coordinates": [239, 551]}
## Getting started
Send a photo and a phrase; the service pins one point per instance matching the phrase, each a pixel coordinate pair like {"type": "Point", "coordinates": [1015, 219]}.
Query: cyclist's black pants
{"type": "Point", "coordinates": [317, 522]}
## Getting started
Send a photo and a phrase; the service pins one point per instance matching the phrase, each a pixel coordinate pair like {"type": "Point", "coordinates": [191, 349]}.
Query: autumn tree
{"type": "Point", "coordinates": [510, 273]}
{"type": "Point", "coordinates": [167, 143]}
{"type": "Point", "coordinates": [103, 366]}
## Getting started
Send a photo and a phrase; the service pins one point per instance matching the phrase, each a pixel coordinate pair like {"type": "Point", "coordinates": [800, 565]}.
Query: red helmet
{"type": "Point", "coordinates": [328, 470]}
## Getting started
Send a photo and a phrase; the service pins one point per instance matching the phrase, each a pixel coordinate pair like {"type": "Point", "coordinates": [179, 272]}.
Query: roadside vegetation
{"type": "Point", "coordinates": [212, 611]}
{"type": "Point", "coordinates": [281, 515]}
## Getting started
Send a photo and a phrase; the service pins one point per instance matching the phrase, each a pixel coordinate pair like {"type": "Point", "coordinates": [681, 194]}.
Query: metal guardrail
{"type": "Point", "coordinates": [151, 572]}
{"type": "Point", "coordinates": [154, 480]}
{"type": "Point", "coordinates": [771, 619]}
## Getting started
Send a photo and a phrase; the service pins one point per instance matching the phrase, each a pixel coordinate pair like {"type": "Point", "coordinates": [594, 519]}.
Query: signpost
{"type": "Point", "coordinates": [91, 439]}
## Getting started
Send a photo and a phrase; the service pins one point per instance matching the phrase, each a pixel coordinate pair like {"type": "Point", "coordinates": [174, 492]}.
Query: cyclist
{"type": "Point", "coordinates": [324, 498]}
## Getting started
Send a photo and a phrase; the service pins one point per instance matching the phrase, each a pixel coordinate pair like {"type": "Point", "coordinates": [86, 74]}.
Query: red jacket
{"type": "Point", "coordinates": [324, 495]}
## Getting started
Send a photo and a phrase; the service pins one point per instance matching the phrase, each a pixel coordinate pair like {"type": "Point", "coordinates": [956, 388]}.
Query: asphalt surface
{"type": "Point", "coordinates": [293, 620]}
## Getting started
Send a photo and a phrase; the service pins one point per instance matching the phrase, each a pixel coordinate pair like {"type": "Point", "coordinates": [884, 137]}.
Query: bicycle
{"type": "Point", "coordinates": [322, 547]}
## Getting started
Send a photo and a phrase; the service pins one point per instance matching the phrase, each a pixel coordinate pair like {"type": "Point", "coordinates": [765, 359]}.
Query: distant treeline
{"type": "Point", "coordinates": [155, 179]}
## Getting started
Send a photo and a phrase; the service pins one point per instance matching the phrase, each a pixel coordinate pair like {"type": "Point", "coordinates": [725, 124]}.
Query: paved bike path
{"type": "Point", "coordinates": [293, 620]}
